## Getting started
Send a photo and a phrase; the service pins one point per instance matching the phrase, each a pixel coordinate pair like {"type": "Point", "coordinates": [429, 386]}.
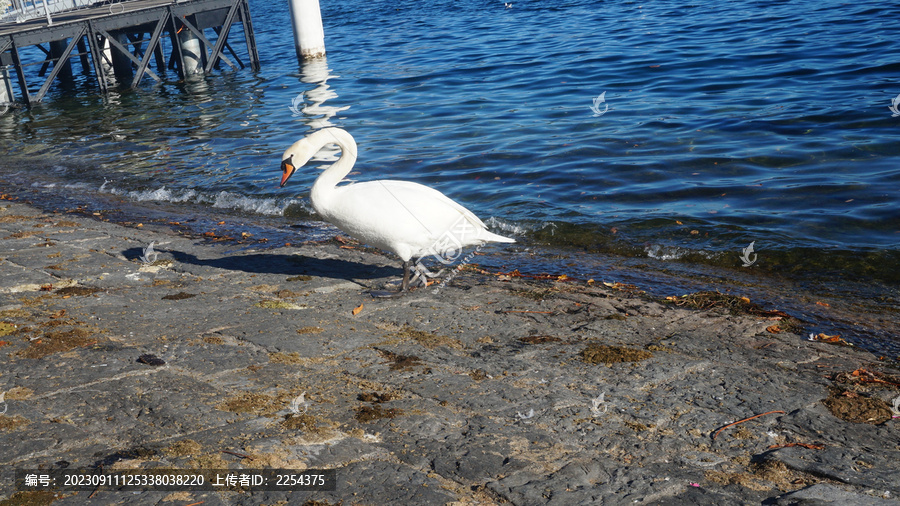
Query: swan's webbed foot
{"type": "Point", "coordinates": [419, 276]}
{"type": "Point", "coordinates": [384, 294]}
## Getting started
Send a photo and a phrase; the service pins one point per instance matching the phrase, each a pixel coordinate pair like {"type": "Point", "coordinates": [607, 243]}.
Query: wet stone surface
{"type": "Point", "coordinates": [492, 390]}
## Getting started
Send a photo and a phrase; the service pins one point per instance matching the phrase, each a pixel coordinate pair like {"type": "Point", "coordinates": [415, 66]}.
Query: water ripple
{"type": "Point", "coordinates": [759, 120]}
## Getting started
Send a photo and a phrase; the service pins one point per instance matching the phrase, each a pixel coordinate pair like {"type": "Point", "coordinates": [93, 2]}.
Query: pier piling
{"type": "Point", "coordinates": [309, 36]}
{"type": "Point", "coordinates": [190, 53]}
{"type": "Point", "coordinates": [118, 45]}
{"type": "Point", "coordinates": [6, 92]}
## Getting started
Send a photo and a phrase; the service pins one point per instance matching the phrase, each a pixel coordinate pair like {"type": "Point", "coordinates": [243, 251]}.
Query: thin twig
{"type": "Point", "coordinates": [526, 311]}
{"type": "Point", "coordinates": [241, 455]}
{"type": "Point", "coordinates": [744, 420]}
{"type": "Point", "coordinates": [804, 445]}
{"type": "Point", "coordinates": [865, 376]}
{"type": "Point", "coordinates": [97, 487]}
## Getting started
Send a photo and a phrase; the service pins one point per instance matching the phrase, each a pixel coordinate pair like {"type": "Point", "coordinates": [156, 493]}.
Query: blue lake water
{"type": "Point", "coordinates": [666, 132]}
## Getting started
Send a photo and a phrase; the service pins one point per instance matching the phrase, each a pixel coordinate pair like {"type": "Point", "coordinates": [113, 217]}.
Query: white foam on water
{"type": "Point", "coordinates": [666, 253]}
{"type": "Point", "coordinates": [505, 226]}
{"type": "Point", "coordinates": [222, 200]}
{"type": "Point", "coordinates": [163, 194]}
{"type": "Point", "coordinates": [267, 206]}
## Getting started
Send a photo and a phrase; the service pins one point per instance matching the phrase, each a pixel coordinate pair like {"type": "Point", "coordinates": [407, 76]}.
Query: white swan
{"type": "Point", "coordinates": [407, 218]}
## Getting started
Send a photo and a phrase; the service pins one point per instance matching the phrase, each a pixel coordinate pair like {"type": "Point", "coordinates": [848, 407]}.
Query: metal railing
{"type": "Point", "coordinates": [23, 10]}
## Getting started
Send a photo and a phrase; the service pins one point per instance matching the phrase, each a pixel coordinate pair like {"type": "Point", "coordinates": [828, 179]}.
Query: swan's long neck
{"type": "Point", "coordinates": [323, 188]}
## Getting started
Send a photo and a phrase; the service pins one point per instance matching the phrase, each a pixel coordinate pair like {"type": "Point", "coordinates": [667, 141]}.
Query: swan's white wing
{"type": "Point", "coordinates": [421, 199]}
{"type": "Point", "coordinates": [408, 218]}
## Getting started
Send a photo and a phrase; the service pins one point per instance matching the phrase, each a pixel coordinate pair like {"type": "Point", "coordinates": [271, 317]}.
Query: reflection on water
{"type": "Point", "coordinates": [313, 111]}
{"type": "Point", "coordinates": [774, 128]}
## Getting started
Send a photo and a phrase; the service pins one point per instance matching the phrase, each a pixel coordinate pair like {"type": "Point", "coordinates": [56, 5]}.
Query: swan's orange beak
{"type": "Point", "coordinates": [287, 170]}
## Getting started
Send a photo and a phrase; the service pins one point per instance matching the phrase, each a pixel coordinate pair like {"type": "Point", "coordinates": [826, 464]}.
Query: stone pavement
{"type": "Point", "coordinates": [491, 391]}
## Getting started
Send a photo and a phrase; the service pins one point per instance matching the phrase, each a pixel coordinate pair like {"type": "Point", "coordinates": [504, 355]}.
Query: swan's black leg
{"type": "Point", "coordinates": [403, 288]}
{"type": "Point", "coordinates": [407, 265]}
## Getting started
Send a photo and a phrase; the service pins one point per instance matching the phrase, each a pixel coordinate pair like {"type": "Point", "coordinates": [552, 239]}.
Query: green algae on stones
{"type": "Point", "coordinates": [605, 354]}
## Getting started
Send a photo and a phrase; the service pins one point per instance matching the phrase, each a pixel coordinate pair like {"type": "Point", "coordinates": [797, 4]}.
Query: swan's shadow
{"type": "Point", "coordinates": [275, 263]}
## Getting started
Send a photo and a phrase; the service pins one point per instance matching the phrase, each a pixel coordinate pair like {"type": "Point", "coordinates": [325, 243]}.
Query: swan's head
{"type": "Point", "coordinates": [295, 156]}
{"type": "Point", "coordinates": [303, 150]}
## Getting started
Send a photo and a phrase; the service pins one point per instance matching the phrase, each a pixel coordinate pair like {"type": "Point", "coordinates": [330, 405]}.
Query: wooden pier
{"type": "Point", "coordinates": [116, 42]}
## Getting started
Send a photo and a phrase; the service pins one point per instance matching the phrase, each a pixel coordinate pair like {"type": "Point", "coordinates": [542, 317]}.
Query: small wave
{"type": "Point", "coordinates": [162, 194]}
{"type": "Point", "coordinates": [77, 186]}
{"type": "Point", "coordinates": [505, 226]}
{"type": "Point", "coordinates": [68, 186]}
{"type": "Point", "coordinates": [267, 206]}
{"type": "Point", "coordinates": [666, 253]}
{"type": "Point", "coordinates": [221, 200]}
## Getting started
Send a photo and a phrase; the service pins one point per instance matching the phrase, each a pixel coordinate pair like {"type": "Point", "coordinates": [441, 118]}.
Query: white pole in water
{"type": "Point", "coordinates": [106, 63]}
{"type": "Point", "coordinates": [6, 92]}
{"type": "Point", "coordinates": [309, 36]}
{"type": "Point", "coordinates": [190, 52]}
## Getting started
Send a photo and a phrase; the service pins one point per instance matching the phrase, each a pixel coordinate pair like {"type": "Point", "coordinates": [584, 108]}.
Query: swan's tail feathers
{"type": "Point", "coordinates": [492, 237]}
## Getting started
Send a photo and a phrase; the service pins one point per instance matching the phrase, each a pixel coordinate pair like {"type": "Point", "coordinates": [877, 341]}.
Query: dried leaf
{"type": "Point", "coordinates": [357, 309]}
{"type": "Point", "coordinates": [824, 338]}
